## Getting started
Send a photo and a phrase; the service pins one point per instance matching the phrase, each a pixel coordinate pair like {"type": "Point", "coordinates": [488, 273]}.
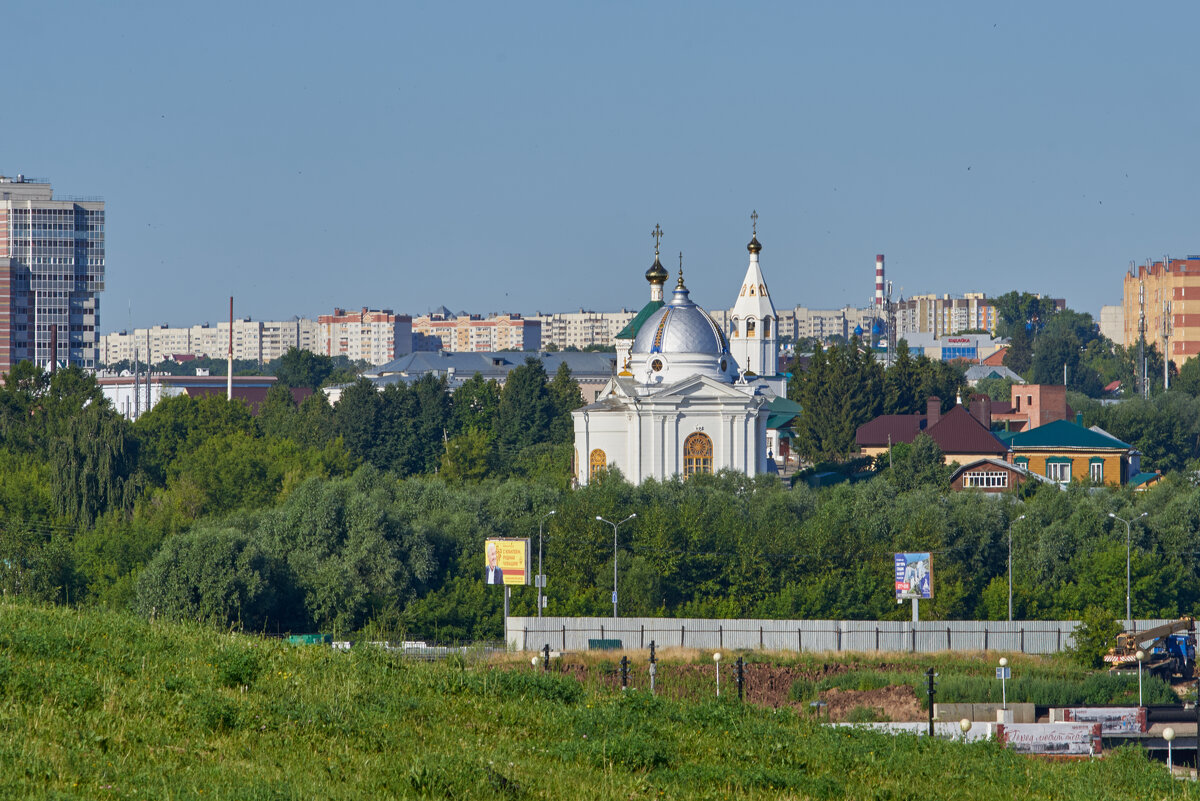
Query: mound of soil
{"type": "Point", "coordinates": [897, 703]}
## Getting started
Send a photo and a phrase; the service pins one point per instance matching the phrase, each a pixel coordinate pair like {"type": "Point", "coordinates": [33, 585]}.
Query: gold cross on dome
{"type": "Point", "coordinates": [657, 234]}
{"type": "Point", "coordinates": [754, 223]}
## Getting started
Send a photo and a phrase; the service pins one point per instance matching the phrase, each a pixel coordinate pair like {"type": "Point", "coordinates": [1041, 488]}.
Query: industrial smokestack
{"type": "Point", "coordinates": [229, 373]}
{"type": "Point", "coordinates": [879, 286]}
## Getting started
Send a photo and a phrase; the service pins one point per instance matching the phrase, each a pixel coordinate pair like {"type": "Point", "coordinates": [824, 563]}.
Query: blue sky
{"type": "Point", "coordinates": [515, 157]}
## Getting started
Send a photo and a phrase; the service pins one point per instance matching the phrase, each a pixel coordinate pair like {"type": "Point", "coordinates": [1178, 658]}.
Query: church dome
{"type": "Point", "coordinates": [657, 274]}
{"type": "Point", "coordinates": [680, 340]}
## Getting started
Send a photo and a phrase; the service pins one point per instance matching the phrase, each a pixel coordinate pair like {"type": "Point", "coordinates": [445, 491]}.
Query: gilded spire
{"type": "Point", "coordinates": [754, 246]}
{"type": "Point", "coordinates": [657, 274]}
{"type": "Point", "coordinates": [680, 284]}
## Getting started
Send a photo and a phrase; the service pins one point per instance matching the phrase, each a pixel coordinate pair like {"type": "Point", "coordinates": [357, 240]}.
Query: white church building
{"type": "Point", "coordinates": [690, 398]}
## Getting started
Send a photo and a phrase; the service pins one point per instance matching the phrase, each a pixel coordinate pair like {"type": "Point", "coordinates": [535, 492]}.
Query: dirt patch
{"type": "Point", "coordinates": [897, 703]}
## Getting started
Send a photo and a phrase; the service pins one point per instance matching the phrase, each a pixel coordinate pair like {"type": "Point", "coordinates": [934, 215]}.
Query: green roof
{"type": "Point", "coordinates": [630, 331]}
{"type": "Point", "coordinates": [781, 411]}
{"type": "Point", "coordinates": [1065, 434]}
{"type": "Point", "coordinates": [1142, 478]}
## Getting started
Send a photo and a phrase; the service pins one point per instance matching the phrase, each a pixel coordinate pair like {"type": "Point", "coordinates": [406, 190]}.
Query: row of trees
{"type": "Point", "coordinates": [340, 553]}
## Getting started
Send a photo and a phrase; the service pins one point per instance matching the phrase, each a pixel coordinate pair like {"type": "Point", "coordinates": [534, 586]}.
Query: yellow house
{"type": "Point", "coordinates": [1065, 451]}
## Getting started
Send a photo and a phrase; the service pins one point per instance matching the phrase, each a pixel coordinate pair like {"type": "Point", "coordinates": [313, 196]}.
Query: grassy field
{"type": "Point", "coordinates": [96, 705]}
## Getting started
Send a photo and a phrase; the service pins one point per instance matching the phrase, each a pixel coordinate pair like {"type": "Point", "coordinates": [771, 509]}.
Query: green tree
{"type": "Point", "coordinates": [469, 456]}
{"type": "Point", "coordinates": [475, 404]}
{"type": "Point", "coordinates": [565, 398]}
{"type": "Point", "coordinates": [901, 384]}
{"type": "Point", "coordinates": [177, 426]}
{"type": "Point", "coordinates": [525, 410]}
{"type": "Point", "coordinates": [217, 575]}
{"type": "Point", "coordinates": [841, 389]}
{"type": "Point", "coordinates": [303, 368]}
{"type": "Point", "coordinates": [357, 421]}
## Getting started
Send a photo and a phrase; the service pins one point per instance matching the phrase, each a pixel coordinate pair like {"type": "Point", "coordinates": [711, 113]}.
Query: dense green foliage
{"type": "Point", "coordinates": [110, 706]}
{"type": "Point", "coordinates": [373, 512]}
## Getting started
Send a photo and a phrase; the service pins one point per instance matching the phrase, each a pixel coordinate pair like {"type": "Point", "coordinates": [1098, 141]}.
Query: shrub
{"type": "Point", "coordinates": [1096, 633]}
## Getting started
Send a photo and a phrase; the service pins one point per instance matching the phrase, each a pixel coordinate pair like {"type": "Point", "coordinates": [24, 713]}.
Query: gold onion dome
{"type": "Point", "coordinates": [657, 274]}
{"type": "Point", "coordinates": [755, 246]}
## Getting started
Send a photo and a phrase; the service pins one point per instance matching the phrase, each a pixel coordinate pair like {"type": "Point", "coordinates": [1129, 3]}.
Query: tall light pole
{"type": "Point", "coordinates": [614, 525]}
{"type": "Point", "coordinates": [541, 579]}
{"type": "Point", "coordinates": [1128, 605]}
{"type": "Point", "coordinates": [1010, 525]}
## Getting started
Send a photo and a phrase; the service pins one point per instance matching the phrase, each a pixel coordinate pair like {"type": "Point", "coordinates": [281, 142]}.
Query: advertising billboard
{"type": "Point", "coordinates": [506, 560]}
{"type": "Point", "coordinates": [914, 575]}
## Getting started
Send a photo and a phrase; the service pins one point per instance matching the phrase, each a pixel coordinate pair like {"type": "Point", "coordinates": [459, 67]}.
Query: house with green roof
{"type": "Point", "coordinates": [1066, 451]}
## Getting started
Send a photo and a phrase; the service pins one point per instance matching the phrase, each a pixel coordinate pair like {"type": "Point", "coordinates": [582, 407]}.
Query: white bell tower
{"type": "Point", "coordinates": [753, 323]}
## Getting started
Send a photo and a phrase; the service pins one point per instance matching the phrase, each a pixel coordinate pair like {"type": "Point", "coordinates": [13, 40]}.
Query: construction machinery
{"type": "Point", "coordinates": [1169, 650]}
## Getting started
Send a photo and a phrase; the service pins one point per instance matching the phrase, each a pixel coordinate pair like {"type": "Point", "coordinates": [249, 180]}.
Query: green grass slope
{"type": "Point", "coordinates": [100, 705]}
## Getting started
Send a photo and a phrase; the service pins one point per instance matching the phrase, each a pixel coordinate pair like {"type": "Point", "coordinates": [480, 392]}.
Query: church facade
{"type": "Point", "coordinates": [684, 402]}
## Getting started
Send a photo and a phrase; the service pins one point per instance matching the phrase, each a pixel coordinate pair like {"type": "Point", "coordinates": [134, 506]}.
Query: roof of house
{"type": "Point", "coordinates": [957, 431]}
{"type": "Point", "coordinates": [781, 411]}
{"type": "Point", "coordinates": [997, 358]}
{"type": "Point", "coordinates": [889, 429]}
{"type": "Point", "coordinates": [1015, 468]}
{"type": "Point", "coordinates": [496, 365]}
{"type": "Point", "coordinates": [1067, 435]}
{"type": "Point", "coordinates": [1144, 479]}
{"type": "Point", "coordinates": [978, 372]}
{"type": "Point", "coordinates": [633, 326]}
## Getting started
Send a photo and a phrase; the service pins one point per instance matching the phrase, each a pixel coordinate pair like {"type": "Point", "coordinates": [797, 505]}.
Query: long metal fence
{"type": "Point", "coordinates": [577, 633]}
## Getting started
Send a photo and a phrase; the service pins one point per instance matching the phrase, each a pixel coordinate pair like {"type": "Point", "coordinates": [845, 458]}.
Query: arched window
{"type": "Point", "coordinates": [598, 463]}
{"type": "Point", "coordinates": [766, 326]}
{"type": "Point", "coordinates": [734, 326]}
{"type": "Point", "coordinates": [697, 454]}
{"type": "Point", "coordinates": [749, 328]}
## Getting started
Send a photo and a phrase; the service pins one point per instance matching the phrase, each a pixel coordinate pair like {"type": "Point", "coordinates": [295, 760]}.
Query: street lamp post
{"type": "Point", "coordinates": [541, 578]}
{"type": "Point", "coordinates": [1128, 605]}
{"type": "Point", "coordinates": [614, 525]}
{"type": "Point", "coordinates": [1141, 657]}
{"type": "Point", "coordinates": [1010, 525]}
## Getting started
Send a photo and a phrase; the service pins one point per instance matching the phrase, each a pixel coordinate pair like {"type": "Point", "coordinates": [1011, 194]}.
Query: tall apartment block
{"type": "Point", "coordinates": [582, 328]}
{"type": "Point", "coordinates": [1167, 293]}
{"type": "Point", "coordinates": [261, 341]}
{"type": "Point", "coordinates": [51, 269]}
{"type": "Point", "coordinates": [478, 334]}
{"type": "Point", "coordinates": [376, 336]}
{"type": "Point", "coordinates": [945, 315]}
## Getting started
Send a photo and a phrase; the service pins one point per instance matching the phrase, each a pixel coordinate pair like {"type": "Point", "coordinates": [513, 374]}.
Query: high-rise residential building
{"type": "Point", "coordinates": [1164, 297]}
{"type": "Point", "coordinates": [478, 334]}
{"type": "Point", "coordinates": [945, 315]}
{"type": "Point", "coordinates": [51, 269]}
{"type": "Point", "coordinates": [582, 328]}
{"type": "Point", "coordinates": [376, 336]}
{"type": "Point", "coordinates": [252, 340]}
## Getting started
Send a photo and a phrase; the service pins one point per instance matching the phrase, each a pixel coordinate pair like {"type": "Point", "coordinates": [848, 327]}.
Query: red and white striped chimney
{"type": "Point", "coordinates": [879, 285]}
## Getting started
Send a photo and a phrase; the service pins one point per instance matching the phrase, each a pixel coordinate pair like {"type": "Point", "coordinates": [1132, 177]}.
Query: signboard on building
{"type": "Point", "coordinates": [914, 576]}
{"type": "Point", "coordinates": [506, 560]}
{"type": "Point", "coordinates": [1112, 719]}
{"type": "Point", "coordinates": [1058, 739]}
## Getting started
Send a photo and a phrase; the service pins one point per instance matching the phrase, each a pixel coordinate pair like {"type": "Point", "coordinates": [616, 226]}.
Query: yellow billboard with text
{"type": "Point", "coordinates": [506, 560]}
